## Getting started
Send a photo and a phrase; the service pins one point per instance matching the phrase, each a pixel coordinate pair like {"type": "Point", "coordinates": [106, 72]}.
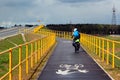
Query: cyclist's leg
{"type": "Point", "coordinates": [78, 45]}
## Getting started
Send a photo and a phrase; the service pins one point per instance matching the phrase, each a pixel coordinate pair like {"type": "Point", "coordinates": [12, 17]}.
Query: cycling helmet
{"type": "Point", "coordinates": [75, 29]}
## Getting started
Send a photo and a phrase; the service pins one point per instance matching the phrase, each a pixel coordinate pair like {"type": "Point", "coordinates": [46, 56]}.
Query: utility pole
{"type": "Point", "coordinates": [113, 19]}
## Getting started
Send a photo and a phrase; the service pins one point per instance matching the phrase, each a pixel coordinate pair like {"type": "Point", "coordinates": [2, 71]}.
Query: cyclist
{"type": "Point", "coordinates": [76, 39]}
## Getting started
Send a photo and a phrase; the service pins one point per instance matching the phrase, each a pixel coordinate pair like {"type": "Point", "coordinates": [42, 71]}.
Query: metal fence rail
{"type": "Point", "coordinates": [21, 59]}
{"type": "Point", "coordinates": [107, 50]}
{"type": "Point", "coordinates": [61, 34]}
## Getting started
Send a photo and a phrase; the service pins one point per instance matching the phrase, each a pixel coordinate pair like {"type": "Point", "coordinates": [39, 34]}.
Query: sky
{"type": "Point", "coordinates": [58, 11]}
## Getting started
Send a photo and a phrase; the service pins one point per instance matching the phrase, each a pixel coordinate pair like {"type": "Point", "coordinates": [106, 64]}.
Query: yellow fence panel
{"type": "Point", "coordinates": [21, 59]}
{"type": "Point", "coordinates": [107, 50]}
{"type": "Point", "coordinates": [38, 28]}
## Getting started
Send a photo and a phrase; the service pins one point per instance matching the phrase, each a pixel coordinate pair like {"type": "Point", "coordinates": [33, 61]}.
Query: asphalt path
{"type": "Point", "coordinates": [65, 64]}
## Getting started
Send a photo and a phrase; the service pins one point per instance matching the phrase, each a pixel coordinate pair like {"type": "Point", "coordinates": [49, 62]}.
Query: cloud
{"type": "Point", "coordinates": [16, 3]}
{"type": "Point", "coordinates": [57, 11]}
{"type": "Point", "coordinates": [79, 1]}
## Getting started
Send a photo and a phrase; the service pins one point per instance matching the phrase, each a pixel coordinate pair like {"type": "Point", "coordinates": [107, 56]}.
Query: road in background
{"type": "Point", "coordinates": [11, 32]}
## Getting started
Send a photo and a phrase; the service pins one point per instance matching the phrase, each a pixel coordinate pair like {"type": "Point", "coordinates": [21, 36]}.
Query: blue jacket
{"type": "Point", "coordinates": [75, 33]}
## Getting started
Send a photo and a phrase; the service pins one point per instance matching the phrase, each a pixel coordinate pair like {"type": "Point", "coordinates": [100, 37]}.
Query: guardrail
{"type": "Point", "coordinates": [18, 61]}
{"type": "Point", "coordinates": [61, 34]}
{"type": "Point", "coordinates": [107, 50]}
{"type": "Point", "coordinates": [38, 28]}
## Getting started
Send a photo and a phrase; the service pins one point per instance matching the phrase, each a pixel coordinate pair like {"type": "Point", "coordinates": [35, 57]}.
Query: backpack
{"type": "Point", "coordinates": [79, 35]}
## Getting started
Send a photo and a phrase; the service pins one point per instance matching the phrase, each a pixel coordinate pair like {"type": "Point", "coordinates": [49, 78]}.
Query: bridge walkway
{"type": "Point", "coordinates": [65, 64]}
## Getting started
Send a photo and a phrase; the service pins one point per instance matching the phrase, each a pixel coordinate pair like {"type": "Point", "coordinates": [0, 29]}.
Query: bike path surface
{"type": "Point", "coordinates": [65, 64]}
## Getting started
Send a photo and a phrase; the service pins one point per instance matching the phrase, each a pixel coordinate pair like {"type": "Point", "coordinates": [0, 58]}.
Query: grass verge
{"type": "Point", "coordinates": [10, 42]}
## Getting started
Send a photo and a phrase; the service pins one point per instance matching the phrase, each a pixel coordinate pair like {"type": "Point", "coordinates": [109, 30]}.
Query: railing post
{"type": "Point", "coordinates": [86, 40]}
{"type": "Point", "coordinates": [20, 64]}
{"type": "Point", "coordinates": [107, 52]}
{"type": "Point", "coordinates": [96, 46]}
{"type": "Point", "coordinates": [64, 36]}
{"type": "Point", "coordinates": [113, 55]}
{"type": "Point", "coordinates": [26, 58]}
{"type": "Point", "coordinates": [36, 52]}
{"type": "Point", "coordinates": [40, 47]}
{"type": "Point", "coordinates": [31, 55]}
{"type": "Point", "coordinates": [89, 41]}
{"type": "Point", "coordinates": [10, 64]}
{"type": "Point", "coordinates": [47, 43]}
{"type": "Point", "coordinates": [57, 33]}
{"type": "Point", "coordinates": [68, 35]}
{"type": "Point", "coordinates": [102, 49]}
{"type": "Point", "coordinates": [99, 47]}
{"type": "Point", "coordinates": [92, 43]}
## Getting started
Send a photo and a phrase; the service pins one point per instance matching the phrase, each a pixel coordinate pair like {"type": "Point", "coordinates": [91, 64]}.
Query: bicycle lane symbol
{"type": "Point", "coordinates": [66, 69]}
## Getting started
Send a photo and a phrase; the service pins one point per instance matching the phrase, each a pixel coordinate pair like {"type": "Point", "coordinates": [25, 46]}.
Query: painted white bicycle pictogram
{"type": "Point", "coordinates": [66, 69]}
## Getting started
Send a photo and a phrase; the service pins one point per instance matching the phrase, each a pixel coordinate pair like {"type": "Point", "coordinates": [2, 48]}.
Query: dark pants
{"type": "Point", "coordinates": [76, 45]}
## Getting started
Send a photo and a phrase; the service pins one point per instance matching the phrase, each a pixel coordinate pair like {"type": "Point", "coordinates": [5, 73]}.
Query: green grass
{"type": "Point", "coordinates": [4, 58]}
{"type": "Point", "coordinates": [117, 49]}
{"type": "Point", "coordinates": [16, 39]}
{"type": "Point", "coordinates": [6, 43]}
{"type": "Point", "coordinates": [112, 38]}
{"type": "Point", "coordinates": [3, 64]}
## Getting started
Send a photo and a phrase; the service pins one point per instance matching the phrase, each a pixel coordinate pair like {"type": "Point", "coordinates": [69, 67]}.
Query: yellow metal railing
{"type": "Point", "coordinates": [21, 59]}
{"type": "Point", "coordinates": [38, 28]}
{"type": "Point", "coordinates": [107, 50]}
{"type": "Point", "coordinates": [61, 34]}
